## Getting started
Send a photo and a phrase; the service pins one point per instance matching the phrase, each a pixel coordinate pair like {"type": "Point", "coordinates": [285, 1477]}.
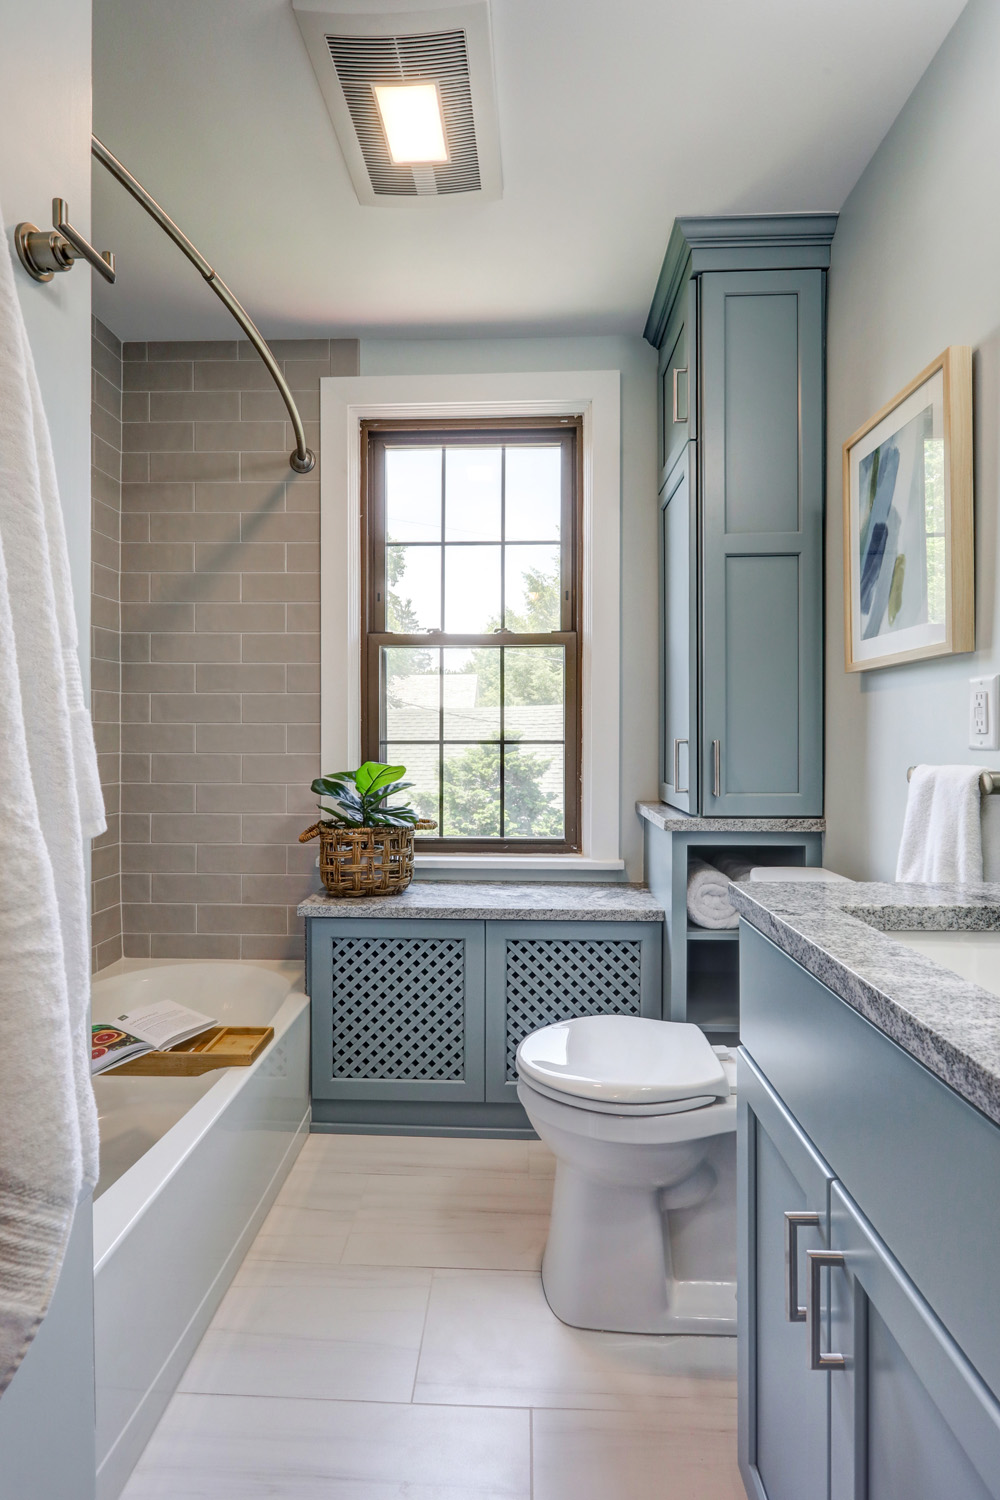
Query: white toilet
{"type": "Point", "coordinates": [641, 1116]}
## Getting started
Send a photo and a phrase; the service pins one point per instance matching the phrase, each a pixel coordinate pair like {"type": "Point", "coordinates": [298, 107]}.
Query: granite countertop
{"type": "Point", "coordinates": [485, 901]}
{"type": "Point", "coordinates": [672, 820]}
{"type": "Point", "coordinates": [842, 934]}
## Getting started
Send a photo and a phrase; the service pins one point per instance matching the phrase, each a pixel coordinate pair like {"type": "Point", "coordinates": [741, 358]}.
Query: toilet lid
{"type": "Point", "coordinates": [624, 1059]}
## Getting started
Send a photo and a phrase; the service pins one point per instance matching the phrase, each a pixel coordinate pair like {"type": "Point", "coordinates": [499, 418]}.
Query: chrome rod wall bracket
{"type": "Point", "coordinates": [43, 252]}
{"type": "Point", "coordinates": [302, 459]}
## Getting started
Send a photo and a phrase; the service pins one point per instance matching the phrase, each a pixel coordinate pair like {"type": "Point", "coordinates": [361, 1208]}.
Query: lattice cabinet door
{"type": "Point", "coordinates": [397, 1009]}
{"type": "Point", "coordinates": [541, 972]}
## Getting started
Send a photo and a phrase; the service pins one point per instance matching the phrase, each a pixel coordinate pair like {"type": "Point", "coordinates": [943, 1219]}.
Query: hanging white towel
{"type": "Point", "coordinates": [50, 800]}
{"type": "Point", "coordinates": [942, 830]}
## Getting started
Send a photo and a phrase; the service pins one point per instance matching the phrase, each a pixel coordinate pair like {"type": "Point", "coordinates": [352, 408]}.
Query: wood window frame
{"type": "Point", "coordinates": [474, 432]}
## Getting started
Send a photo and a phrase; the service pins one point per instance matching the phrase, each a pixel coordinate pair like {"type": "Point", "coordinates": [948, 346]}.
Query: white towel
{"type": "Point", "coordinates": [708, 891]}
{"type": "Point", "coordinates": [49, 801]}
{"type": "Point", "coordinates": [942, 830]}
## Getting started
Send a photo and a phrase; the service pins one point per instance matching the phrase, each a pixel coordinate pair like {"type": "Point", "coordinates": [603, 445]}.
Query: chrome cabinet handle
{"type": "Point", "coordinates": [820, 1359]}
{"type": "Point", "coordinates": [677, 767]}
{"type": "Point", "coordinates": [43, 252]}
{"type": "Point", "coordinates": [794, 1221]}
{"type": "Point", "coordinates": [678, 370]}
{"type": "Point", "coordinates": [717, 768]}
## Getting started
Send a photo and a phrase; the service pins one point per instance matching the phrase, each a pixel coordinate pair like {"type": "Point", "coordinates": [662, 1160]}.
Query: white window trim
{"type": "Point", "coordinates": [347, 401]}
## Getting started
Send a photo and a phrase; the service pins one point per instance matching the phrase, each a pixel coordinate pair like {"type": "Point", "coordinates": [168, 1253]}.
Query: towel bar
{"type": "Point", "coordinates": [989, 781]}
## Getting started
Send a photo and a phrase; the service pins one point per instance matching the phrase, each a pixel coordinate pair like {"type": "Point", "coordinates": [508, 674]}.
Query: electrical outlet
{"type": "Point", "coordinates": [984, 727]}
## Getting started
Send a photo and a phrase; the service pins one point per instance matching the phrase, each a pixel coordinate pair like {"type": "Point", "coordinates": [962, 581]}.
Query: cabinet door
{"type": "Point", "coordinates": [541, 972]}
{"type": "Point", "coordinates": [677, 403]}
{"type": "Point", "coordinates": [397, 1009]}
{"type": "Point", "coordinates": [762, 542]}
{"type": "Point", "coordinates": [909, 1416]}
{"type": "Point", "coordinates": [782, 1404]}
{"type": "Point", "coordinates": [679, 638]}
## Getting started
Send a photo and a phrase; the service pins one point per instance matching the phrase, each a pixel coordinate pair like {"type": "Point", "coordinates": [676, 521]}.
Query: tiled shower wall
{"type": "Point", "coordinates": [105, 644]}
{"type": "Point", "coordinates": [220, 647]}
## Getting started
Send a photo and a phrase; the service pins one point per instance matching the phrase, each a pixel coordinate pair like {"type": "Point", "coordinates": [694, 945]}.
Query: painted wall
{"type": "Point", "coordinates": [915, 268]}
{"type": "Point", "coordinates": [637, 363]}
{"type": "Point", "coordinates": [45, 151]}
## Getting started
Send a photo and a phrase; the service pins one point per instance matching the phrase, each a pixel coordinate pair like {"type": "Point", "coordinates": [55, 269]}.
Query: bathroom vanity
{"type": "Point", "coordinates": [869, 1152]}
{"type": "Point", "coordinates": [419, 1001]}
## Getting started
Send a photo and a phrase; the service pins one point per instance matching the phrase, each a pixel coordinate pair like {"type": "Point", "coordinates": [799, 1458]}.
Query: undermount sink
{"type": "Point", "coordinates": [973, 955]}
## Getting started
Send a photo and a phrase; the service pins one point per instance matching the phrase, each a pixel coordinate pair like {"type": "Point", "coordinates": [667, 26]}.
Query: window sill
{"type": "Point", "coordinates": [510, 863]}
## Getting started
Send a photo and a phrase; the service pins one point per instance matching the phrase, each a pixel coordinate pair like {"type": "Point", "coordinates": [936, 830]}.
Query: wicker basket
{"type": "Point", "coordinates": [365, 861]}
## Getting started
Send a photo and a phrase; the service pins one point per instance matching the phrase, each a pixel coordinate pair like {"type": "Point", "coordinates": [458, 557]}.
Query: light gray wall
{"type": "Point", "coordinates": [916, 266]}
{"type": "Point", "coordinates": [47, 1414]}
{"type": "Point", "coordinates": [637, 363]}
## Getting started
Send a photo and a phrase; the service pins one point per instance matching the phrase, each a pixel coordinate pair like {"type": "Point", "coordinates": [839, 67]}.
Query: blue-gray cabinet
{"type": "Point", "coordinates": [869, 1365]}
{"type": "Point", "coordinates": [738, 319]}
{"type": "Point", "coordinates": [416, 1021]}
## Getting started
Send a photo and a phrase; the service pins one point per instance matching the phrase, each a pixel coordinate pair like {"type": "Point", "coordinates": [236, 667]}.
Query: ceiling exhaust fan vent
{"type": "Point", "coordinates": [450, 48]}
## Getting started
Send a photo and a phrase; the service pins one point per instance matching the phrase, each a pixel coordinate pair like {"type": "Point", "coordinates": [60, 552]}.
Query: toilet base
{"type": "Point", "coordinates": [620, 1279]}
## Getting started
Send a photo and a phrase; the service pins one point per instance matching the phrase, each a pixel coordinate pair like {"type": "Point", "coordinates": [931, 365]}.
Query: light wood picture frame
{"type": "Point", "coordinates": [909, 566]}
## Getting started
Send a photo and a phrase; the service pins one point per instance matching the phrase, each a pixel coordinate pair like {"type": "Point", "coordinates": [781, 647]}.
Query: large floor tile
{"type": "Point", "coordinates": [313, 1183]}
{"type": "Point", "coordinates": [611, 1455]}
{"type": "Point", "coordinates": [247, 1448]}
{"type": "Point", "coordinates": [402, 1154]}
{"type": "Point", "coordinates": [491, 1338]}
{"type": "Point", "coordinates": [374, 1305]}
{"type": "Point", "coordinates": [301, 1234]}
{"type": "Point", "coordinates": [253, 1364]}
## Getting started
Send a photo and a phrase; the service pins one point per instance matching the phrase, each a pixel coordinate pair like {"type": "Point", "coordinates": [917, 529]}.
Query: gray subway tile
{"type": "Point", "coordinates": [240, 798]}
{"type": "Point", "coordinates": [241, 617]}
{"type": "Point", "coordinates": [287, 708]}
{"type": "Point", "coordinates": [135, 829]}
{"type": "Point", "coordinates": [193, 945]}
{"type": "Point", "coordinates": [166, 738]}
{"type": "Point", "coordinates": [257, 467]}
{"type": "Point", "coordinates": [195, 768]}
{"type": "Point", "coordinates": [303, 739]}
{"type": "Point", "coordinates": [107, 457]}
{"type": "Point", "coordinates": [283, 349]}
{"type": "Point", "coordinates": [135, 468]}
{"type": "Point", "coordinates": [157, 797]}
{"type": "Point", "coordinates": [158, 677]}
{"type": "Point", "coordinates": [256, 947]}
{"type": "Point", "coordinates": [195, 708]}
{"type": "Point", "coordinates": [155, 857]}
{"type": "Point", "coordinates": [302, 495]}
{"type": "Point", "coordinates": [193, 349]}
{"type": "Point", "coordinates": [194, 406]}
{"type": "Point", "coordinates": [200, 467]}
{"type": "Point", "coordinates": [279, 526]}
{"type": "Point", "coordinates": [239, 557]}
{"type": "Point", "coordinates": [106, 924]}
{"type": "Point", "coordinates": [134, 526]}
{"type": "Point", "coordinates": [243, 919]}
{"type": "Point", "coordinates": [345, 356]}
{"type": "Point", "coordinates": [105, 489]}
{"type": "Point", "coordinates": [196, 828]}
{"type": "Point", "coordinates": [158, 375]}
{"type": "Point", "coordinates": [152, 619]}
{"type": "Point", "coordinates": [303, 617]}
{"type": "Point", "coordinates": [134, 766]}
{"type": "Point", "coordinates": [261, 739]}
{"type": "Point", "coordinates": [302, 557]}
{"type": "Point", "coordinates": [259, 859]}
{"type": "Point", "coordinates": [135, 708]}
{"type": "Point", "coordinates": [103, 334]}
{"type": "Point", "coordinates": [252, 678]}
{"type": "Point", "coordinates": [240, 437]}
{"type": "Point", "coordinates": [135, 887]}
{"type": "Point", "coordinates": [287, 648]}
{"type": "Point", "coordinates": [197, 888]}
{"type": "Point", "coordinates": [303, 679]}
{"type": "Point", "coordinates": [135, 406]}
{"type": "Point", "coordinates": [133, 351]}
{"type": "Point", "coordinates": [196, 648]}
{"type": "Point", "coordinates": [156, 497]}
{"type": "Point", "coordinates": [271, 829]}
{"type": "Point", "coordinates": [194, 588]}
{"type": "Point", "coordinates": [283, 588]}
{"type": "Point", "coordinates": [267, 406]}
{"type": "Point", "coordinates": [107, 953]}
{"type": "Point", "coordinates": [135, 647]}
{"type": "Point", "coordinates": [158, 437]}
{"type": "Point", "coordinates": [106, 362]}
{"type": "Point", "coordinates": [221, 375]}
{"type": "Point", "coordinates": [260, 499]}
{"type": "Point", "coordinates": [196, 526]}
{"type": "Point", "coordinates": [135, 945]}
{"type": "Point", "coordinates": [157, 557]}
{"type": "Point", "coordinates": [145, 917]}
{"type": "Point", "coordinates": [106, 893]}
{"type": "Point", "coordinates": [289, 769]}
{"type": "Point", "coordinates": [283, 890]}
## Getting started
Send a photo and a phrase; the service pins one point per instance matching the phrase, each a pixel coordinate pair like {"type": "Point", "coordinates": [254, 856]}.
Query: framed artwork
{"type": "Point", "coordinates": [908, 522]}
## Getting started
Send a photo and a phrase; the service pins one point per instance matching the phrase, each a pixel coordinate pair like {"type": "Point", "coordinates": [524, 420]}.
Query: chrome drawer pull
{"type": "Point", "coordinates": [794, 1221]}
{"type": "Point", "coordinates": [818, 1358]}
{"type": "Point", "coordinates": [677, 767]}
{"type": "Point", "coordinates": [717, 767]}
{"type": "Point", "coordinates": [678, 370]}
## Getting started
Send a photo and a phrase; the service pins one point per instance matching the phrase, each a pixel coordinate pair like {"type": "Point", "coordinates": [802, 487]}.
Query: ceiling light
{"type": "Point", "coordinates": [413, 123]}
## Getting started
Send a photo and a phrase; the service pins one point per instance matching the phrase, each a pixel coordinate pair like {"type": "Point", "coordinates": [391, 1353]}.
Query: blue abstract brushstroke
{"type": "Point", "coordinates": [872, 563]}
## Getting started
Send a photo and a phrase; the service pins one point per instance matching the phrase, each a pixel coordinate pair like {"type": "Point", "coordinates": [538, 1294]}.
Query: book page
{"type": "Point", "coordinates": [164, 1023]}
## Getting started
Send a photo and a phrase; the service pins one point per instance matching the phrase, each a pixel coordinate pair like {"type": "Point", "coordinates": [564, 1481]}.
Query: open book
{"type": "Point", "coordinates": [155, 1027]}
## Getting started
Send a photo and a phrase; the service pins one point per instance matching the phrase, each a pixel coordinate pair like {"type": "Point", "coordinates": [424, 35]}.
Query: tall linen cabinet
{"type": "Point", "coordinates": [738, 319]}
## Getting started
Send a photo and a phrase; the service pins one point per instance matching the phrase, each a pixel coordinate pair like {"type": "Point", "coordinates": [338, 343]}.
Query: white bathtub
{"type": "Point", "coordinates": [189, 1167]}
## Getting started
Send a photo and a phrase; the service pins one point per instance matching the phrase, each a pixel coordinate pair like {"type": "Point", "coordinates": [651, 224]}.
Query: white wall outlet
{"type": "Point", "coordinates": [984, 727]}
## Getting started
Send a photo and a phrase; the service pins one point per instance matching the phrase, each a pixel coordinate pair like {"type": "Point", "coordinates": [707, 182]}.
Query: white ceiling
{"type": "Point", "coordinates": [614, 118]}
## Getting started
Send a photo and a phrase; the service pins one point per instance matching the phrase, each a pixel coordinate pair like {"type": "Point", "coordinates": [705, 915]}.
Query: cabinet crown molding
{"type": "Point", "coordinates": [736, 242]}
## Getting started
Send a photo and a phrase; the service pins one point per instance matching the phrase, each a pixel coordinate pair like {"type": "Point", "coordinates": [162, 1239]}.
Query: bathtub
{"type": "Point", "coordinates": [189, 1168]}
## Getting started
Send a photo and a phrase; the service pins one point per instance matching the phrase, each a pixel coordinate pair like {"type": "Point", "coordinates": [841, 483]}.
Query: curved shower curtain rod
{"type": "Point", "coordinates": [303, 459]}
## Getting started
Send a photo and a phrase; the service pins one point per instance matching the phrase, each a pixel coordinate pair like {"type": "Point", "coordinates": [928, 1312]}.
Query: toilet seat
{"type": "Point", "coordinates": [625, 1065]}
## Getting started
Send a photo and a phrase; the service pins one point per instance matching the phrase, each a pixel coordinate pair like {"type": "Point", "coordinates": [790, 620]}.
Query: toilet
{"type": "Point", "coordinates": [641, 1117]}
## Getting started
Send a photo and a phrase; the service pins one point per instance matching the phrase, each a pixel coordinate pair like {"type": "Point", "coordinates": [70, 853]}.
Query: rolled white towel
{"type": "Point", "coordinates": [708, 891]}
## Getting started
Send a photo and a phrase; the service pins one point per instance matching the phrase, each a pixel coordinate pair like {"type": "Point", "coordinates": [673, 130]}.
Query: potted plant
{"type": "Point", "coordinates": [366, 846]}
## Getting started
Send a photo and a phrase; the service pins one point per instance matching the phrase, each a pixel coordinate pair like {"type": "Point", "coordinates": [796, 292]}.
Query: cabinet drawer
{"type": "Point", "coordinates": [541, 972]}
{"type": "Point", "coordinates": [397, 1009]}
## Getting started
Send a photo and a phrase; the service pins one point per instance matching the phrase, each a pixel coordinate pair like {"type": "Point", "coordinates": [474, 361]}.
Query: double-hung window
{"type": "Point", "coordinates": [471, 665]}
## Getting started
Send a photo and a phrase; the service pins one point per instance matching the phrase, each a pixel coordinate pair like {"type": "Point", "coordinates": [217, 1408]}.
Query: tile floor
{"type": "Point", "coordinates": [387, 1339]}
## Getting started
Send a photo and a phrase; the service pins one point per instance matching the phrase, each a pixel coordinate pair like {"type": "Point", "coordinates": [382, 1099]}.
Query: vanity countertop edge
{"type": "Point", "coordinates": [842, 934]}
{"type": "Point", "coordinates": [497, 900]}
{"type": "Point", "coordinates": [672, 820]}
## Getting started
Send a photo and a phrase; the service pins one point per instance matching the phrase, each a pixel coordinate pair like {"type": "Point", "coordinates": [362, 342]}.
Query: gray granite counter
{"type": "Point", "coordinates": [842, 934]}
{"type": "Point", "coordinates": [486, 901]}
{"type": "Point", "coordinates": [671, 820]}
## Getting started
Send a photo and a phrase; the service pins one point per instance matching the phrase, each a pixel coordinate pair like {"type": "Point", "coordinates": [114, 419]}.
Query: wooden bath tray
{"type": "Point", "coordinates": [222, 1047]}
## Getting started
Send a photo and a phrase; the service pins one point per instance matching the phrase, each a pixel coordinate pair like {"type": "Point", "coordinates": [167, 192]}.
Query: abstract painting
{"type": "Point", "coordinates": [908, 574]}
